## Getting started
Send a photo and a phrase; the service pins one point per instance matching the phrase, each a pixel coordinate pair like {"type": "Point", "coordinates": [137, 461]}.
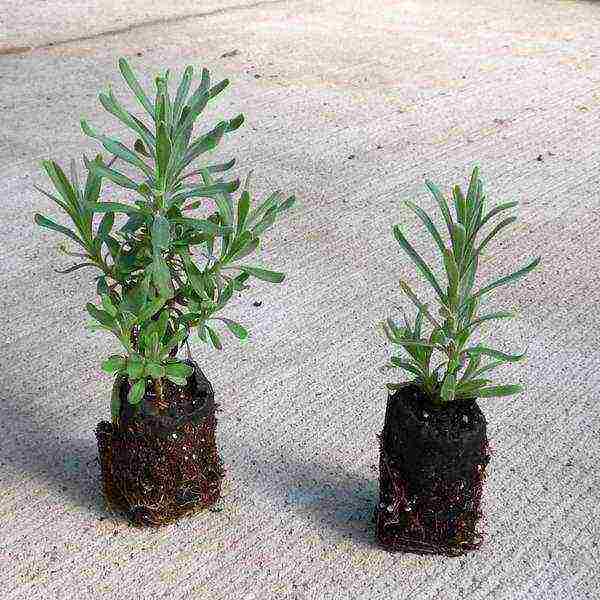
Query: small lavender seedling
{"type": "Point", "coordinates": [164, 272]}
{"type": "Point", "coordinates": [460, 374]}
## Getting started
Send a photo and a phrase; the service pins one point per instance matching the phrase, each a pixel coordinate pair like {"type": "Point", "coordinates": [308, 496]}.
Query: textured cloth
{"type": "Point", "coordinates": [350, 105]}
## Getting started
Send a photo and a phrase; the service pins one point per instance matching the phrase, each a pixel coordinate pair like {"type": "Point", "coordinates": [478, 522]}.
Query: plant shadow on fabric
{"type": "Point", "coordinates": [36, 446]}
{"type": "Point", "coordinates": [336, 501]}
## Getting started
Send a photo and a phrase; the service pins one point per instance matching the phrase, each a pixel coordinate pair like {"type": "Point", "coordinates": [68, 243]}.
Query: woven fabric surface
{"type": "Point", "coordinates": [350, 105]}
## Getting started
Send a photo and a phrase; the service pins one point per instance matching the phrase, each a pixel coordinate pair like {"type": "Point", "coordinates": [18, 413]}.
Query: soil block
{"type": "Point", "coordinates": [431, 470]}
{"type": "Point", "coordinates": [158, 465]}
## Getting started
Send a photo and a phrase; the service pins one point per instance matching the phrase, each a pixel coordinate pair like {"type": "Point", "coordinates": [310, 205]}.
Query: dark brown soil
{"type": "Point", "coordinates": [158, 465]}
{"type": "Point", "coordinates": [432, 466]}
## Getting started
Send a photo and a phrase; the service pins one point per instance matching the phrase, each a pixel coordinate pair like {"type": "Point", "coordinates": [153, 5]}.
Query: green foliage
{"type": "Point", "coordinates": [166, 270]}
{"type": "Point", "coordinates": [459, 373]}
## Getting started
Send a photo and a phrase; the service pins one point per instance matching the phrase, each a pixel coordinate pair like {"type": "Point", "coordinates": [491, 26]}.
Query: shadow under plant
{"type": "Point", "coordinates": [337, 501]}
{"type": "Point", "coordinates": [34, 446]}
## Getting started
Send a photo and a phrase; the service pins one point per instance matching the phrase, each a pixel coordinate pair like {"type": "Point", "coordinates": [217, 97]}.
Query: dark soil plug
{"type": "Point", "coordinates": [432, 466]}
{"type": "Point", "coordinates": [158, 466]}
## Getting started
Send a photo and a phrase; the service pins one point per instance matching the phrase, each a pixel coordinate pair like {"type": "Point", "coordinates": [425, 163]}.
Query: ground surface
{"type": "Point", "coordinates": [349, 105]}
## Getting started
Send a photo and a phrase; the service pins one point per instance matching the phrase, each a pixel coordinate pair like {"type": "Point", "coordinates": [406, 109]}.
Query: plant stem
{"type": "Point", "coordinates": [158, 389]}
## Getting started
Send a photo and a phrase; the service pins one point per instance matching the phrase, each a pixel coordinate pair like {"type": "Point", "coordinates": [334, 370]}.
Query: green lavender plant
{"type": "Point", "coordinates": [154, 290]}
{"type": "Point", "coordinates": [461, 372]}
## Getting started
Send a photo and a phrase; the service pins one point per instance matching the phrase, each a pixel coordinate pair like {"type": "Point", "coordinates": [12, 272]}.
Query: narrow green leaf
{"type": "Point", "coordinates": [114, 176]}
{"type": "Point", "coordinates": [182, 92]}
{"type": "Point", "coordinates": [61, 203]}
{"type": "Point", "coordinates": [135, 86]}
{"type": "Point", "coordinates": [106, 225]}
{"type": "Point", "coordinates": [113, 363]}
{"type": "Point", "coordinates": [155, 370]}
{"type": "Point", "coordinates": [218, 88]}
{"type": "Point", "coordinates": [118, 149]}
{"type": "Point", "coordinates": [161, 233]}
{"type": "Point", "coordinates": [458, 242]}
{"type": "Point", "coordinates": [424, 218]}
{"type": "Point", "coordinates": [108, 305]}
{"type": "Point", "coordinates": [407, 366]}
{"type": "Point", "coordinates": [163, 151]}
{"type": "Point", "coordinates": [475, 350]}
{"type": "Point", "coordinates": [499, 390]}
{"type": "Point", "coordinates": [448, 387]}
{"type": "Point", "coordinates": [150, 309]}
{"type": "Point", "coordinates": [214, 337]}
{"type": "Point", "coordinates": [418, 261]}
{"type": "Point", "coordinates": [508, 279]}
{"type": "Point", "coordinates": [161, 276]}
{"type": "Point", "coordinates": [420, 305]}
{"type": "Point", "coordinates": [496, 210]}
{"type": "Point", "coordinates": [116, 207]}
{"type": "Point", "coordinates": [461, 205]}
{"type": "Point", "coordinates": [263, 274]}
{"type": "Point", "coordinates": [238, 330]}
{"type": "Point", "coordinates": [135, 366]}
{"type": "Point", "coordinates": [439, 197]}
{"type": "Point", "coordinates": [100, 315]}
{"type": "Point", "coordinates": [243, 209]}
{"type": "Point", "coordinates": [235, 123]}
{"type": "Point", "coordinates": [453, 277]}
{"type": "Point", "coordinates": [115, 402]}
{"type": "Point", "coordinates": [137, 391]}
{"type": "Point", "coordinates": [248, 248]}
{"type": "Point", "coordinates": [49, 224]}
{"type": "Point", "coordinates": [112, 106]}
{"type": "Point", "coordinates": [204, 225]}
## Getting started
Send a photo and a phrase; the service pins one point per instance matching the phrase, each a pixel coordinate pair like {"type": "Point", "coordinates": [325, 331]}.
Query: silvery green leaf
{"type": "Point", "coordinates": [496, 210]}
{"type": "Point", "coordinates": [161, 276]}
{"type": "Point", "coordinates": [458, 241]}
{"type": "Point", "coordinates": [118, 149]}
{"type": "Point", "coordinates": [214, 337]}
{"type": "Point", "coordinates": [161, 233]}
{"type": "Point", "coordinates": [49, 224]}
{"type": "Point", "coordinates": [242, 211]}
{"type": "Point", "coordinates": [424, 218]}
{"type": "Point", "coordinates": [461, 205]}
{"type": "Point", "coordinates": [407, 366]}
{"type": "Point", "coordinates": [182, 92]}
{"type": "Point", "coordinates": [439, 197]}
{"type": "Point", "coordinates": [508, 279]}
{"type": "Point", "coordinates": [114, 363]}
{"type": "Point", "coordinates": [137, 391]}
{"type": "Point", "coordinates": [475, 350]}
{"type": "Point", "coordinates": [420, 305]}
{"type": "Point", "coordinates": [238, 330]}
{"type": "Point", "coordinates": [269, 203]}
{"type": "Point", "coordinates": [263, 274]}
{"type": "Point", "coordinates": [499, 390]}
{"type": "Point", "coordinates": [114, 176]}
{"type": "Point", "coordinates": [163, 150]}
{"type": "Point", "coordinates": [135, 86]}
{"type": "Point", "coordinates": [418, 261]}
{"type": "Point", "coordinates": [448, 387]}
{"type": "Point", "coordinates": [110, 103]}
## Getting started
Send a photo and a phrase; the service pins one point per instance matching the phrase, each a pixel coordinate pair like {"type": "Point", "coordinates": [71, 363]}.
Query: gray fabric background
{"type": "Point", "coordinates": [409, 90]}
